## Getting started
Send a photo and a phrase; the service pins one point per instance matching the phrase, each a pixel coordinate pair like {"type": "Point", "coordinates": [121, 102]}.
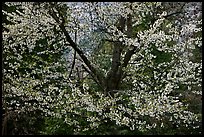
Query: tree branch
{"type": "Point", "coordinates": [93, 70]}
{"type": "Point", "coordinates": [128, 56]}
{"type": "Point", "coordinates": [74, 57]}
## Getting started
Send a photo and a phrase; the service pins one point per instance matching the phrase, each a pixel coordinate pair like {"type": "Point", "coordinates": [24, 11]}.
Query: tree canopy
{"type": "Point", "coordinates": [102, 67]}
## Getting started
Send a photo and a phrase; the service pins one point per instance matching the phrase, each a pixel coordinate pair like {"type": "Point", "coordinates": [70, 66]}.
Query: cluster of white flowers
{"type": "Point", "coordinates": [152, 82]}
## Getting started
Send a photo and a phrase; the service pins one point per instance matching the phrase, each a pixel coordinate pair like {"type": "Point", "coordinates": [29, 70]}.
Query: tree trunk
{"type": "Point", "coordinates": [112, 81]}
{"type": "Point", "coordinates": [114, 76]}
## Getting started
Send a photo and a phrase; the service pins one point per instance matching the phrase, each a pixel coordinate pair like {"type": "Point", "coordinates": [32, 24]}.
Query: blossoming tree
{"type": "Point", "coordinates": [150, 63]}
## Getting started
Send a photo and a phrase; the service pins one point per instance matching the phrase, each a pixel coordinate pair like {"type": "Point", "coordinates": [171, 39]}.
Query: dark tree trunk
{"type": "Point", "coordinates": [113, 78]}
{"type": "Point", "coordinates": [112, 81]}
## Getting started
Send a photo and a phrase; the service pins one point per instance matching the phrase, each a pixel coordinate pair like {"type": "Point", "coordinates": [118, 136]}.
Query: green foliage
{"type": "Point", "coordinates": [56, 126]}
{"type": "Point", "coordinates": [144, 25]}
{"type": "Point", "coordinates": [161, 56]}
{"type": "Point", "coordinates": [197, 54]}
